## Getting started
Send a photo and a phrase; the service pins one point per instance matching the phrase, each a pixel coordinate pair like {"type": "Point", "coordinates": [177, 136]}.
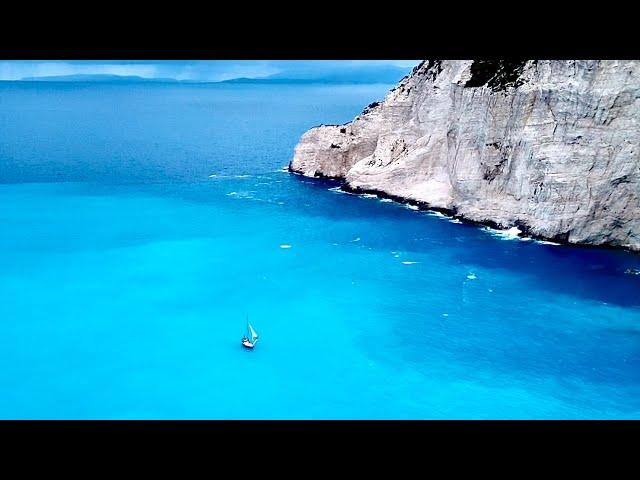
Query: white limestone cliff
{"type": "Point", "coordinates": [552, 147]}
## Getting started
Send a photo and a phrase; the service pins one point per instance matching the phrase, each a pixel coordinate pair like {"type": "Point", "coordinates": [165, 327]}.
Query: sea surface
{"type": "Point", "coordinates": [142, 224]}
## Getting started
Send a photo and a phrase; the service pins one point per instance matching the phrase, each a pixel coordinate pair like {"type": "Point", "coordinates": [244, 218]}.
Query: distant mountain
{"type": "Point", "coordinates": [332, 74]}
{"type": "Point", "coordinates": [356, 74]}
{"type": "Point", "coordinates": [98, 77]}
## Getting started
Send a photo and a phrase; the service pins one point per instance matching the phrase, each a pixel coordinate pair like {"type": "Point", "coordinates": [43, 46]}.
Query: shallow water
{"type": "Point", "coordinates": [127, 270]}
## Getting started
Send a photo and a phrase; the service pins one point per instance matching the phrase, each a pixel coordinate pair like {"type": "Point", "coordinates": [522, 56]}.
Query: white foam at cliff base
{"type": "Point", "coordinates": [386, 200]}
{"type": "Point", "coordinates": [546, 242]}
{"type": "Point", "coordinates": [369, 195]}
{"type": "Point", "coordinates": [412, 207]}
{"type": "Point", "coordinates": [433, 213]}
{"type": "Point", "coordinates": [512, 233]}
{"type": "Point", "coordinates": [444, 216]}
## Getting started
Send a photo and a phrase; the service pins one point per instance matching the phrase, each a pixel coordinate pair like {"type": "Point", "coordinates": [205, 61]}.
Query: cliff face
{"type": "Point", "coordinates": [549, 146]}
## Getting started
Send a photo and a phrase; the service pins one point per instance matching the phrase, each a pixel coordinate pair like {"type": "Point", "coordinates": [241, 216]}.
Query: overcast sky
{"type": "Point", "coordinates": [196, 70]}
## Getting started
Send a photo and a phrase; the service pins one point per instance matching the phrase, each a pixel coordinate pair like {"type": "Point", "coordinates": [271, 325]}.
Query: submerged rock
{"type": "Point", "coordinates": [551, 147]}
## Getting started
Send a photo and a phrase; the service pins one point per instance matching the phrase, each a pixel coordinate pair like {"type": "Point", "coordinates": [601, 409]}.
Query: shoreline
{"type": "Point", "coordinates": [524, 229]}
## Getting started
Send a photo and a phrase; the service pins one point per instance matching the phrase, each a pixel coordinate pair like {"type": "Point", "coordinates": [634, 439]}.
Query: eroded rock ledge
{"type": "Point", "coordinates": [552, 147]}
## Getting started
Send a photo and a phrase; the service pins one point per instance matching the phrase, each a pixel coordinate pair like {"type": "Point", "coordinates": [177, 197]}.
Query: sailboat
{"type": "Point", "coordinates": [249, 340]}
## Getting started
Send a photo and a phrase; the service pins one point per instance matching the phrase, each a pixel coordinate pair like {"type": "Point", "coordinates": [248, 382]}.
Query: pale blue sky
{"type": "Point", "coordinates": [202, 70]}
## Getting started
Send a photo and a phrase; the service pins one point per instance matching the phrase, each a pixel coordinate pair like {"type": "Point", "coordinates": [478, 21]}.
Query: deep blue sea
{"type": "Point", "coordinates": [141, 223]}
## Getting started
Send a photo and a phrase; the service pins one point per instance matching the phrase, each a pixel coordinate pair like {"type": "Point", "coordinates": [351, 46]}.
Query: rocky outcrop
{"type": "Point", "coordinates": [551, 147]}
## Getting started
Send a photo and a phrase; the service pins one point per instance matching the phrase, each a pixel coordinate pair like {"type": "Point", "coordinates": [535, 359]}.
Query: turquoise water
{"type": "Point", "coordinates": [126, 272]}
